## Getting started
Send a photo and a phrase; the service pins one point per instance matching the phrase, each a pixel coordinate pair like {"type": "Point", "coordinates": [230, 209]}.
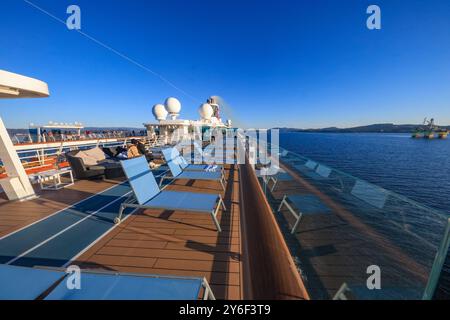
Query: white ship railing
{"type": "Point", "coordinates": [37, 154]}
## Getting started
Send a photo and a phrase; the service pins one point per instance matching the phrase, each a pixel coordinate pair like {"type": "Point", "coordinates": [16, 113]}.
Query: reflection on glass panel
{"type": "Point", "coordinates": [341, 230]}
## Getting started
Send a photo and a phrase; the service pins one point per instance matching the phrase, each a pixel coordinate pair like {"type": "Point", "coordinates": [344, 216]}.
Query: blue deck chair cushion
{"type": "Point", "coordinates": [20, 283]}
{"type": "Point", "coordinates": [175, 168]}
{"type": "Point", "coordinates": [181, 162]}
{"type": "Point", "coordinates": [309, 204]}
{"type": "Point", "coordinates": [184, 201]}
{"type": "Point", "coordinates": [192, 167]}
{"type": "Point", "coordinates": [170, 153]}
{"type": "Point", "coordinates": [177, 173]}
{"type": "Point", "coordinates": [196, 167]}
{"type": "Point", "coordinates": [129, 287]}
{"type": "Point", "coordinates": [200, 175]}
{"type": "Point", "coordinates": [177, 163]}
{"type": "Point", "coordinates": [140, 178]}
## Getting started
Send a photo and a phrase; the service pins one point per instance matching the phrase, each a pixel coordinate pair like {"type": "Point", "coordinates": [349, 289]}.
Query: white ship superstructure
{"type": "Point", "coordinates": [169, 127]}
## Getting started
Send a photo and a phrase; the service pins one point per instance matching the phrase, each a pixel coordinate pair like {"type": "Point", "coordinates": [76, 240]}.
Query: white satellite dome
{"type": "Point", "coordinates": [173, 106]}
{"type": "Point", "coordinates": [206, 111]}
{"type": "Point", "coordinates": [159, 111]}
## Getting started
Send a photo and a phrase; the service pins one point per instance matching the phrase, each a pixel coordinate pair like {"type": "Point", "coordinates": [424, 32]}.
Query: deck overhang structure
{"type": "Point", "coordinates": [17, 186]}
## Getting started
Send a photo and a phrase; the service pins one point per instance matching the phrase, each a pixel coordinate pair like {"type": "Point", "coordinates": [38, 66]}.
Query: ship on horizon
{"type": "Point", "coordinates": [429, 130]}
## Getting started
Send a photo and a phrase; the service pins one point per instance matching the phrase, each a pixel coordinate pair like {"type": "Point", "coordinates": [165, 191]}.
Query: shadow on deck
{"type": "Point", "coordinates": [15, 215]}
{"type": "Point", "coordinates": [178, 243]}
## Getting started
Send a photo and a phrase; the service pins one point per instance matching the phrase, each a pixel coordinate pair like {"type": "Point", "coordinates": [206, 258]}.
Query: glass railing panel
{"type": "Point", "coordinates": [349, 235]}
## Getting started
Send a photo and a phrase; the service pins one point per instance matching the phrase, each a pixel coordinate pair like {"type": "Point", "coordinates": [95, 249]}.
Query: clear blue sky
{"type": "Point", "coordinates": [277, 63]}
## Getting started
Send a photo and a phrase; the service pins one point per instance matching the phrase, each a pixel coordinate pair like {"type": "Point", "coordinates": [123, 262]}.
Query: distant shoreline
{"type": "Point", "coordinates": [343, 132]}
{"type": "Point", "coordinates": [373, 128]}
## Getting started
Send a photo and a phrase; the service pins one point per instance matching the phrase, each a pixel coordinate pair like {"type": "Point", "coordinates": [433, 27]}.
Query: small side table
{"type": "Point", "coordinates": [51, 180]}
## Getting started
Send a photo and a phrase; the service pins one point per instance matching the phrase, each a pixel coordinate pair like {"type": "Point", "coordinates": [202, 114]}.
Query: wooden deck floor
{"type": "Point", "coordinates": [15, 215]}
{"type": "Point", "coordinates": [178, 243]}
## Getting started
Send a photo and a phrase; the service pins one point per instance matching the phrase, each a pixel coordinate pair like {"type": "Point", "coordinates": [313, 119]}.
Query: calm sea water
{"type": "Point", "coordinates": [417, 169]}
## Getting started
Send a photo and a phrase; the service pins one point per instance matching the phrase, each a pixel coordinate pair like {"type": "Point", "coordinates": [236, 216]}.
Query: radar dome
{"type": "Point", "coordinates": [206, 111]}
{"type": "Point", "coordinates": [173, 106]}
{"type": "Point", "coordinates": [159, 111]}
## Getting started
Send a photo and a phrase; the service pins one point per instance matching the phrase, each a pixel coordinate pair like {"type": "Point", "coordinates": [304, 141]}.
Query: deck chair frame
{"type": "Point", "coordinates": [171, 161]}
{"type": "Point", "coordinates": [131, 202]}
{"type": "Point", "coordinates": [137, 200]}
{"type": "Point", "coordinates": [275, 180]}
{"type": "Point", "coordinates": [182, 162]}
{"type": "Point", "coordinates": [169, 176]}
{"type": "Point", "coordinates": [298, 216]}
{"type": "Point", "coordinates": [340, 294]}
{"type": "Point", "coordinates": [208, 293]}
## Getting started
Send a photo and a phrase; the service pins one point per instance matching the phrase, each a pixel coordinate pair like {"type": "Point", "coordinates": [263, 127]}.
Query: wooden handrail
{"type": "Point", "coordinates": [269, 270]}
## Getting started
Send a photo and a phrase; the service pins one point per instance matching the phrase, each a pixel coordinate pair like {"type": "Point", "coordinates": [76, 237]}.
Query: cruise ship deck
{"type": "Point", "coordinates": [149, 241]}
{"type": "Point", "coordinates": [178, 243]}
{"type": "Point", "coordinates": [263, 251]}
{"type": "Point", "coordinates": [302, 231]}
{"type": "Point", "coordinates": [74, 226]}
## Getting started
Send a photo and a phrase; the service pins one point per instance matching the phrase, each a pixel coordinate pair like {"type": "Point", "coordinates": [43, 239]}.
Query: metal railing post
{"type": "Point", "coordinates": [439, 261]}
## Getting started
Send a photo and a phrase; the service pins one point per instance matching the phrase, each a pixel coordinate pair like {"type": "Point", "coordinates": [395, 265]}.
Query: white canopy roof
{"type": "Point", "coordinates": [13, 85]}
